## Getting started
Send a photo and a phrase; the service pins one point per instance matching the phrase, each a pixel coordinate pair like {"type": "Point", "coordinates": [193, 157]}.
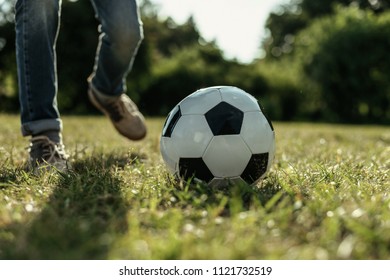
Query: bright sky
{"type": "Point", "coordinates": [236, 25]}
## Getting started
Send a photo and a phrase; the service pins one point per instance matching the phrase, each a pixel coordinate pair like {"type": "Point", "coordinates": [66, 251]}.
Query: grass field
{"type": "Point", "coordinates": [326, 197]}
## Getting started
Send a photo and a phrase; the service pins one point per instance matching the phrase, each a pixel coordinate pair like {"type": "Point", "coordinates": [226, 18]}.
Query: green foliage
{"type": "Point", "coordinates": [76, 48]}
{"type": "Point", "coordinates": [332, 59]}
{"type": "Point", "coordinates": [8, 80]}
{"type": "Point", "coordinates": [326, 197]}
{"type": "Point", "coordinates": [349, 64]}
{"type": "Point", "coordinates": [177, 76]}
{"type": "Point", "coordinates": [193, 68]}
{"type": "Point", "coordinates": [293, 17]}
{"type": "Point", "coordinates": [284, 94]}
{"type": "Point", "coordinates": [282, 27]}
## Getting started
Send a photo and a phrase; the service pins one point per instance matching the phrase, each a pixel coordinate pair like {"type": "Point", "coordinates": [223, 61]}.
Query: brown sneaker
{"type": "Point", "coordinates": [47, 155]}
{"type": "Point", "coordinates": [122, 111]}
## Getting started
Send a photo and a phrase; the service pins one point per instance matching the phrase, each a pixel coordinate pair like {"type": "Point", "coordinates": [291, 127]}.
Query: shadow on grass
{"type": "Point", "coordinates": [229, 199]}
{"type": "Point", "coordinates": [83, 216]}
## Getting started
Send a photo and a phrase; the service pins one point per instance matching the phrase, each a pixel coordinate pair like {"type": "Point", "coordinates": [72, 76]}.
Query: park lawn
{"type": "Point", "coordinates": [327, 197]}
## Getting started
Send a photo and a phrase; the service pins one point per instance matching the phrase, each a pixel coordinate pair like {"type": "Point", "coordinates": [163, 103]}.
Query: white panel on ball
{"type": "Point", "coordinates": [200, 101]}
{"type": "Point", "coordinates": [192, 135]}
{"type": "Point", "coordinates": [256, 132]}
{"type": "Point", "coordinates": [169, 154]}
{"type": "Point", "coordinates": [239, 98]}
{"type": "Point", "coordinates": [222, 160]}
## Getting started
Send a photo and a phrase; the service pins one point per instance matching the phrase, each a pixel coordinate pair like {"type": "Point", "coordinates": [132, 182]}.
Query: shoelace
{"type": "Point", "coordinates": [115, 110]}
{"type": "Point", "coordinates": [50, 149]}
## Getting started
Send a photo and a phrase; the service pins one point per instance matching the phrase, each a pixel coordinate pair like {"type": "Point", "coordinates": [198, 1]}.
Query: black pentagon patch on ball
{"type": "Point", "coordinates": [172, 118]}
{"type": "Point", "coordinates": [194, 167]}
{"type": "Point", "coordinates": [256, 167]}
{"type": "Point", "coordinates": [266, 116]}
{"type": "Point", "coordinates": [225, 119]}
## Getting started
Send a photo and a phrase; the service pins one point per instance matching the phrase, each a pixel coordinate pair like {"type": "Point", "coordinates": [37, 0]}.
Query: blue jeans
{"type": "Point", "coordinates": [37, 26]}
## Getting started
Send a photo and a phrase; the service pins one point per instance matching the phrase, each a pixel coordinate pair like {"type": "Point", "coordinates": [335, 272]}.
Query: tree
{"type": "Point", "coordinates": [8, 79]}
{"type": "Point", "coordinates": [349, 64]}
{"type": "Point", "coordinates": [298, 14]}
{"type": "Point", "coordinates": [76, 48]}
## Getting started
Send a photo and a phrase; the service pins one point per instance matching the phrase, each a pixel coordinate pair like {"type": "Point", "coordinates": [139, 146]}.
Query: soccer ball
{"type": "Point", "coordinates": [218, 135]}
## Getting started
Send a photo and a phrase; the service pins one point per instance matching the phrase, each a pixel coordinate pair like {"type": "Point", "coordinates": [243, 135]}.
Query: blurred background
{"type": "Point", "coordinates": [305, 60]}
